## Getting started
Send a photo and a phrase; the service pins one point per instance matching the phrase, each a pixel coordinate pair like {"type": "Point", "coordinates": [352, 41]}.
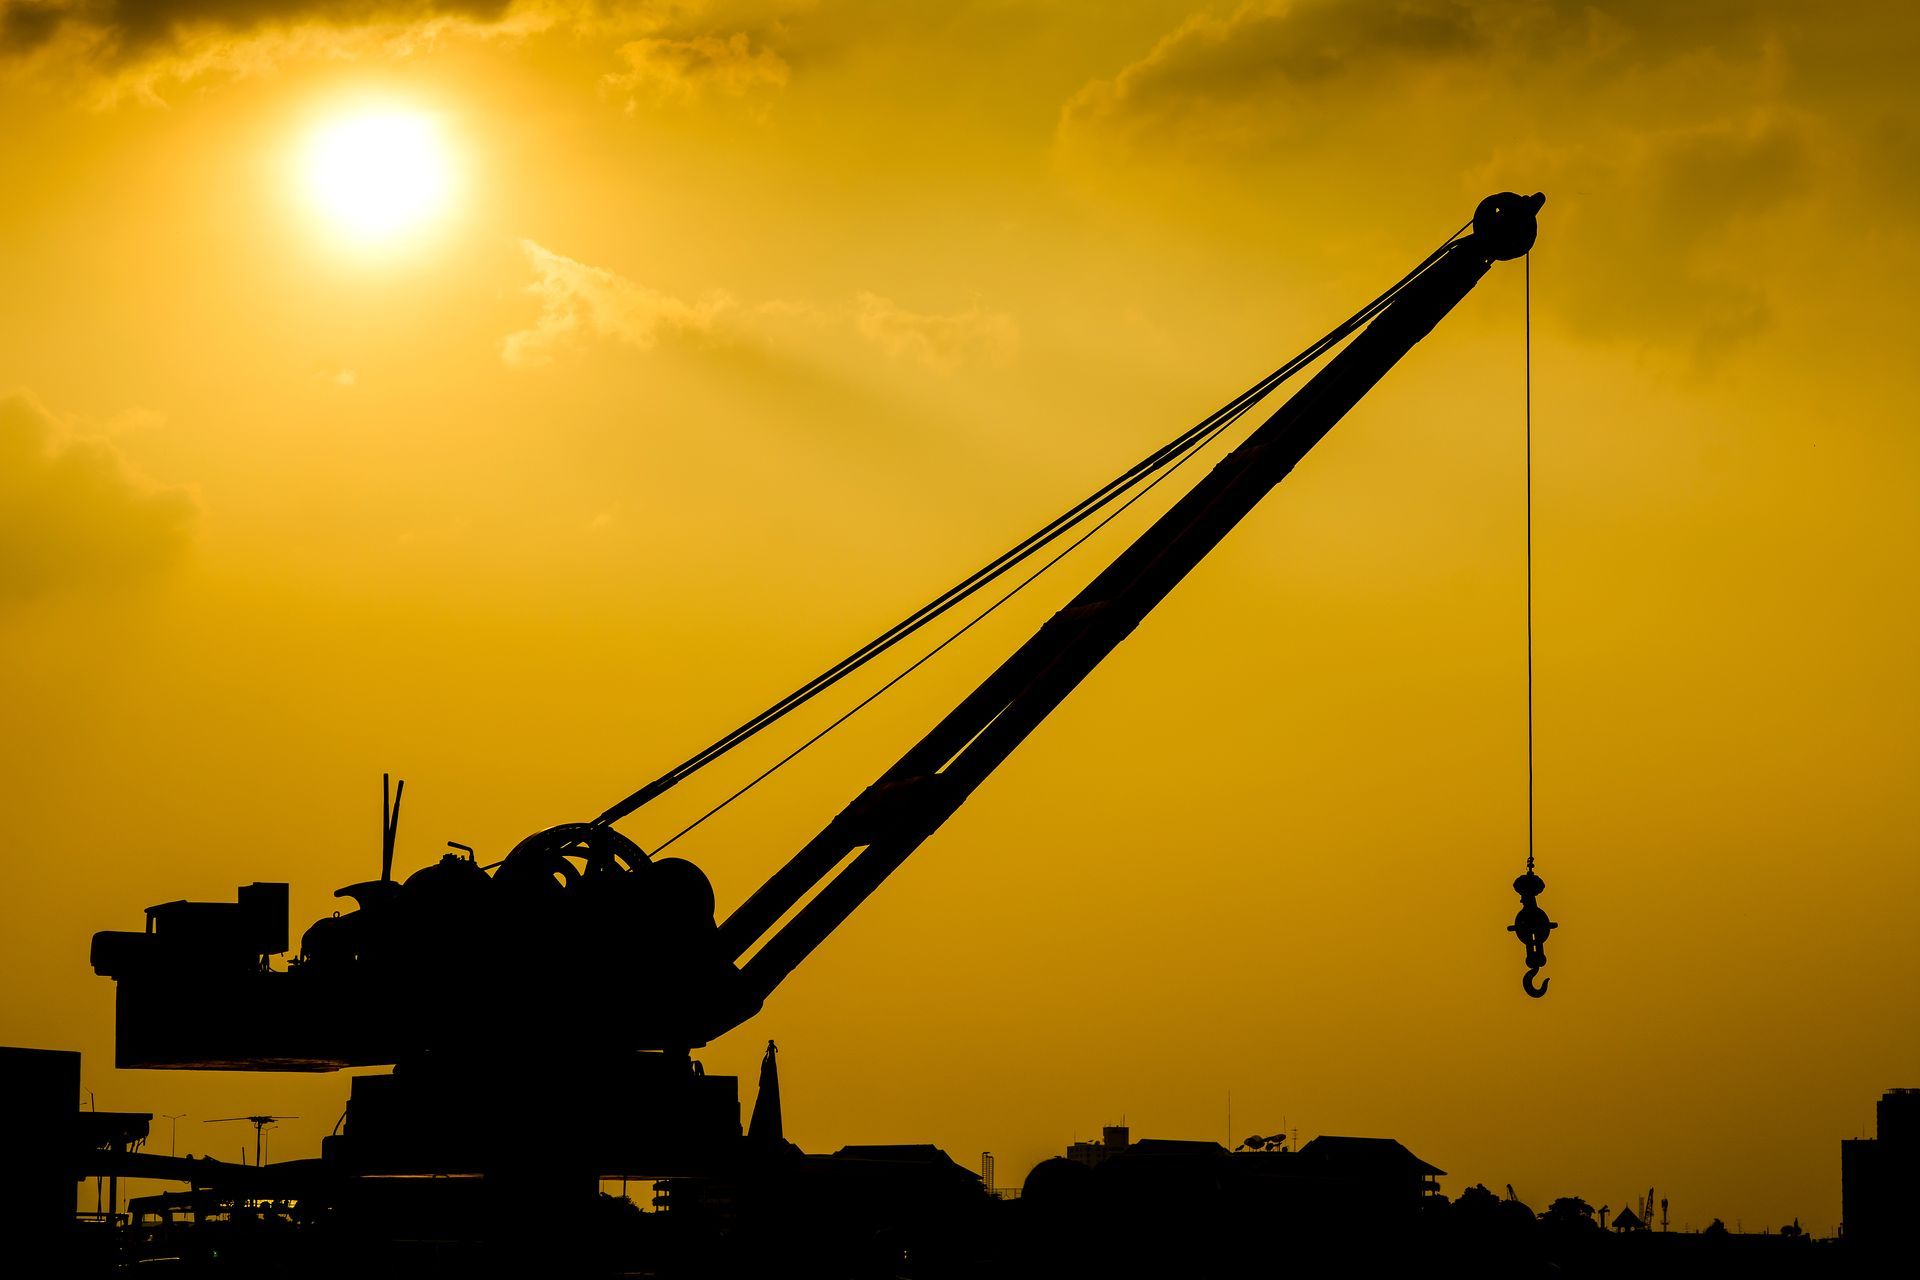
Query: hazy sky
{"type": "Point", "coordinates": [718, 335]}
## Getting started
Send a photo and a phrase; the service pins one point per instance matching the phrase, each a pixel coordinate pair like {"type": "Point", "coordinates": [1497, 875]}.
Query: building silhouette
{"type": "Point", "coordinates": [39, 1100]}
{"type": "Point", "coordinates": [1113, 1140]}
{"type": "Point", "coordinates": [1380, 1170]}
{"type": "Point", "coordinates": [1880, 1177]}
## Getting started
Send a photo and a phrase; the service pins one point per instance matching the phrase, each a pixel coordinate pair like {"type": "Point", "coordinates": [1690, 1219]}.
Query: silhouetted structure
{"type": "Point", "coordinates": [1386, 1170]}
{"type": "Point", "coordinates": [1380, 1167]}
{"type": "Point", "coordinates": [39, 1100]}
{"type": "Point", "coordinates": [497, 991]}
{"type": "Point", "coordinates": [1880, 1178]}
{"type": "Point", "coordinates": [1112, 1141]}
{"type": "Point", "coordinates": [767, 1126]}
{"type": "Point", "coordinates": [48, 1143]}
{"type": "Point", "coordinates": [865, 1209]}
{"type": "Point", "coordinates": [1149, 1205]}
{"type": "Point", "coordinates": [110, 1134]}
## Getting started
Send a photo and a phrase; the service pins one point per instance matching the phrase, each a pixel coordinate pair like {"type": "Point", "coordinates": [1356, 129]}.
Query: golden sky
{"type": "Point", "coordinates": [721, 334]}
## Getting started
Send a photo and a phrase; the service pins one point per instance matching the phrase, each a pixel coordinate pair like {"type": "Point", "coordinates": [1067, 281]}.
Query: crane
{"type": "Point", "coordinates": [580, 963]}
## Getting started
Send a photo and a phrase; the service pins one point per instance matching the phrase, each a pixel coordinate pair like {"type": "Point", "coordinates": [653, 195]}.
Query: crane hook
{"type": "Point", "coordinates": [1531, 926]}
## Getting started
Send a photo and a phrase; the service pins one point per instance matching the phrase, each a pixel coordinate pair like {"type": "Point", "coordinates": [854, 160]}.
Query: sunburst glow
{"type": "Point", "coordinates": [377, 174]}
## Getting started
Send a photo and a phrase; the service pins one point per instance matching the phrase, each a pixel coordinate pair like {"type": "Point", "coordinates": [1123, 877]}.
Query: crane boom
{"type": "Point", "coordinates": [913, 798]}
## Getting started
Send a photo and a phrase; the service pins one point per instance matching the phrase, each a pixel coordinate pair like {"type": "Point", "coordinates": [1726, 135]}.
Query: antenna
{"type": "Point", "coordinates": [389, 823]}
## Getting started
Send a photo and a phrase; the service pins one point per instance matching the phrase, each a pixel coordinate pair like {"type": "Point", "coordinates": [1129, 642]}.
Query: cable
{"type": "Point", "coordinates": [1167, 455]}
{"type": "Point", "coordinates": [1159, 463]}
{"type": "Point", "coordinates": [1527, 341]}
{"type": "Point", "coordinates": [926, 657]}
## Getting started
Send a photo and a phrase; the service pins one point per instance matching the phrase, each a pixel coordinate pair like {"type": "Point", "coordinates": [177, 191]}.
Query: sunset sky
{"type": "Point", "coordinates": [516, 397]}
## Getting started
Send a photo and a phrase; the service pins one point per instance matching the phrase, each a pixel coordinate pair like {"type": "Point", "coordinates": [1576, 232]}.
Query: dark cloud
{"type": "Point", "coordinates": [71, 515]}
{"type": "Point", "coordinates": [25, 27]}
{"type": "Point", "coordinates": [137, 50]}
{"type": "Point", "coordinates": [1677, 142]}
{"type": "Point", "coordinates": [1678, 211]}
{"type": "Point", "coordinates": [131, 26]}
{"type": "Point", "coordinates": [134, 49]}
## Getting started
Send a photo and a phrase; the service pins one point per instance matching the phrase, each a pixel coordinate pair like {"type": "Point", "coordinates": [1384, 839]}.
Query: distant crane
{"type": "Point", "coordinates": [260, 1126]}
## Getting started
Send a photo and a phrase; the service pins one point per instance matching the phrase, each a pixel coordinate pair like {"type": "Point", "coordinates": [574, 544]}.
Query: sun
{"type": "Point", "coordinates": [376, 174]}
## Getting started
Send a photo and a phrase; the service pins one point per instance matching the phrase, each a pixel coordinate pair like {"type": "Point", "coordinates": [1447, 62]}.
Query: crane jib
{"type": "Point", "coordinates": [933, 779]}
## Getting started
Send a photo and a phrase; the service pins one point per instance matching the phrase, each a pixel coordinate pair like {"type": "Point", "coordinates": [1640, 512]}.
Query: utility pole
{"type": "Point", "coordinates": [99, 1184]}
{"type": "Point", "coordinates": [260, 1126]}
{"type": "Point", "coordinates": [173, 1131]}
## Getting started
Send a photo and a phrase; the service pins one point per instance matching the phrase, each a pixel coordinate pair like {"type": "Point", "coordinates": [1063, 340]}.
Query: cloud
{"type": "Point", "coordinates": [940, 342]}
{"type": "Point", "coordinates": [123, 50]}
{"type": "Point", "coordinates": [581, 303]}
{"type": "Point", "coordinates": [1223, 73]}
{"type": "Point", "coordinates": [136, 49]}
{"type": "Point", "coordinates": [664, 67]}
{"type": "Point", "coordinates": [123, 30]}
{"type": "Point", "coordinates": [25, 27]}
{"type": "Point", "coordinates": [1693, 193]}
{"type": "Point", "coordinates": [578, 301]}
{"type": "Point", "coordinates": [73, 517]}
{"type": "Point", "coordinates": [125, 27]}
{"type": "Point", "coordinates": [1266, 67]}
{"type": "Point", "coordinates": [1675, 142]}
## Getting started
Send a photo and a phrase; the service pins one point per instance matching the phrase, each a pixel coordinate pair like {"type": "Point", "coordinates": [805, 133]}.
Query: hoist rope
{"type": "Point", "coordinates": [926, 657]}
{"type": "Point", "coordinates": [1527, 347]}
{"type": "Point", "coordinates": [1156, 465]}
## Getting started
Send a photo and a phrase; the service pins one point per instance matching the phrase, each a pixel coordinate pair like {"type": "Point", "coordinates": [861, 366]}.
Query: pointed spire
{"type": "Point", "coordinates": [765, 1126]}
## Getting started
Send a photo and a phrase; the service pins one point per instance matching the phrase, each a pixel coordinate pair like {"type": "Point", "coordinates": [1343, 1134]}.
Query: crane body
{"type": "Point", "coordinates": [581, 963]}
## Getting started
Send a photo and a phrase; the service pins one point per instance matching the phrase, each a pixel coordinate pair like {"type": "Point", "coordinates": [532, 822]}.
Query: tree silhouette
{"type": "Point", "coordinates": [1477, 1202]}
{"type": "Point", "coordinates": [1570, 1212]}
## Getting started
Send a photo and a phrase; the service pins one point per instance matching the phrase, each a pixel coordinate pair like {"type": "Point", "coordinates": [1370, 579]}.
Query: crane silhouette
{"type": "Point", "coordinates": [465, 976]}
{"type": "Point", "coordinates": [260, 1126]}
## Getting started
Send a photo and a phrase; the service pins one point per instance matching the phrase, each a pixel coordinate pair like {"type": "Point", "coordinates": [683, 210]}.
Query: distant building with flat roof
{"type": "Point", "coordinates": [1114, 1139]}
{"type": "Point", "coordinates": [1880, 1176]}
